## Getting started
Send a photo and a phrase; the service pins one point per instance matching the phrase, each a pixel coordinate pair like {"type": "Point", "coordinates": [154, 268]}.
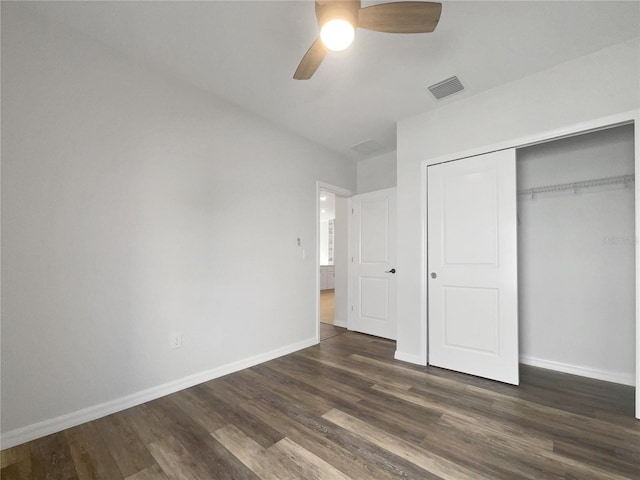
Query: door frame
{"type": "Point", "coordinates": [343, 192]}
{"type": "Point", "coordinates": [603, 123]}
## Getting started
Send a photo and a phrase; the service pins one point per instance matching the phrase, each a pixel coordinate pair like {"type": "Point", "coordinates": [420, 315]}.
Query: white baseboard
{"type": "Point", "coordinates": [606, 375]}
{"type": "Point", "coordinates": [57, 424]}
{"type": "Point", "coordinates": [409, 358]}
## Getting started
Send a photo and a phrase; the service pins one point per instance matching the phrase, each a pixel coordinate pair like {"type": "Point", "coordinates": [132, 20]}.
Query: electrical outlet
{"type": "Point", "coordinates": [176, 340]}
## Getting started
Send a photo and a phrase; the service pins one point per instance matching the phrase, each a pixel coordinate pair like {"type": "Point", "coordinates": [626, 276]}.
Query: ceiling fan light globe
{"type": "Point", "coordinates": [337, 34]}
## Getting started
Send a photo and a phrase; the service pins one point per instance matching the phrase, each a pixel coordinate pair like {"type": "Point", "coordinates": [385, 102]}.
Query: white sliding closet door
{"type": "Point", "coordinates": [472, 255]}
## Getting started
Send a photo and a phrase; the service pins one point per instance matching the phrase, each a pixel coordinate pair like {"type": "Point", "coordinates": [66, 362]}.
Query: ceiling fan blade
{"type": "Point", "coordinates": [400, 17]}
{"type": "Point", "coordinates": [311, 61]}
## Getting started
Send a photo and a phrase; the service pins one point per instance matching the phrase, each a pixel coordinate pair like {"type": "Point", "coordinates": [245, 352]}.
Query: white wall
{"type": "Point", "coordinates": [576, 257]}
{"type": "Point", "coordinates": [324, 242]}
{"type": "Point", "coordinates": [341, 257]}
{"type": "Point", "coordinates": [134, 206]}
{"type": "Point", "coordinates": [377, 173]}
{"type": "Point", "coordinates": [590, 87]}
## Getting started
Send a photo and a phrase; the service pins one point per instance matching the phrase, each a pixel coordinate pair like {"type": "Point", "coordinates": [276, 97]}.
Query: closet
{"type": "Point", "coordinates": [576, 254]}
{"type": "Point", "coordinates": [531, 258]}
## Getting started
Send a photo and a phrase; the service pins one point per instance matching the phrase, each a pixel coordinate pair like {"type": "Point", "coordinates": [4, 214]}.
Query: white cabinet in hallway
{"type": "Point", "coordinates": [327, 277]}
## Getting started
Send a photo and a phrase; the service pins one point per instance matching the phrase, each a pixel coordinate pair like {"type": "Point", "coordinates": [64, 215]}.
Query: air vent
{"type": "Point", "coordinates": [368, 146]}
{"type": "Point", "coordinates": [446, 87]}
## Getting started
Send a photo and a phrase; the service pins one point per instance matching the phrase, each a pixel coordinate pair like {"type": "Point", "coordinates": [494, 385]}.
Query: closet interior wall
{"type": "Point", "coordinates": [576, 254]}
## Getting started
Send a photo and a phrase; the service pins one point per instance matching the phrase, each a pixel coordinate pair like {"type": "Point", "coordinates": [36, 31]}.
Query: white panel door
{"type": "Point", "coordinates": [373, 258]}
{"type": "Point", "coordinates": [472, 255]}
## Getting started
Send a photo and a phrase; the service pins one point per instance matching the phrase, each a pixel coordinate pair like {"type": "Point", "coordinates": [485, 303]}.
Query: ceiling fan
{"type": "Point", "coordinates": [338, 20]}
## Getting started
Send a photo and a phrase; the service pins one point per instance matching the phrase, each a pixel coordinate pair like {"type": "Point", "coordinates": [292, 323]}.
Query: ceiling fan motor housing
{"type": "Point", "coordinates": [337, 10]}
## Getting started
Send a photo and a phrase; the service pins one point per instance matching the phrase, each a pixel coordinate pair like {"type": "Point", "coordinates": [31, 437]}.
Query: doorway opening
{"type": "Point", "coordinates": [328, 245]}
{"type": "Point", "coordinates": [332, 260]}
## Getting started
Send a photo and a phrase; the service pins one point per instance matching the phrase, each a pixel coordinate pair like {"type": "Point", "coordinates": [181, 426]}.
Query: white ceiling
{"type": "Point", "coordinates": [247, 51]}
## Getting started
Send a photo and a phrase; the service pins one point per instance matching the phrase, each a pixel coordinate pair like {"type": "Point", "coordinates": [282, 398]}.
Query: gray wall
{"type": "Point", "coordinates": [377, 173]}
{"type": "Point", "coordinates": [576, 257]}
{"type": "Point", "coordinates": [134, 206]}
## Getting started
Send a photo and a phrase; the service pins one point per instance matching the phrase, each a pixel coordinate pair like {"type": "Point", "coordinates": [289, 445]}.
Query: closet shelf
{"type": "Point", "coordinates": [596, 182]}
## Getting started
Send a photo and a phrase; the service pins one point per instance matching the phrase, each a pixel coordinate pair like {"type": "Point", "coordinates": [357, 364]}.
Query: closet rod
{"type": "Point", "coordinates": [596, 182]}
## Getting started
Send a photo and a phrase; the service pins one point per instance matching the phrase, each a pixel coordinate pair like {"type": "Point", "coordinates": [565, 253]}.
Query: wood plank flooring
{"type": "Point", "coordinates": [327, 306]}
{"type": "Point", "coordinates": [346, 410]}
{"type": "Point", "coordinates": [328, 331]}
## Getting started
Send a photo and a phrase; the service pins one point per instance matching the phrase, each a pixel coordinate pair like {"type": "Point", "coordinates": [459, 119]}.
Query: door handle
{"type": "Point", "coordinates": [393, 270]}
{"type": "Point", "coordinates": [433, 275]}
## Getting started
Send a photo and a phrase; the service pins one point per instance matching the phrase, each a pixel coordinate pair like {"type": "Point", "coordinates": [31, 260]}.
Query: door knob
{"type": "Point", "coordinates": [393, 270]}
{"type": "Point", "coordinates": [433, 275]}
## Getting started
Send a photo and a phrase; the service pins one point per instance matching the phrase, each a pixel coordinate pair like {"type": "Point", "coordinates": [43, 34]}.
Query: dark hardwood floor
{"type": "Point", "coordinates": [346, 409]}
{"type": "Point", "coordinates": [328, 331]}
